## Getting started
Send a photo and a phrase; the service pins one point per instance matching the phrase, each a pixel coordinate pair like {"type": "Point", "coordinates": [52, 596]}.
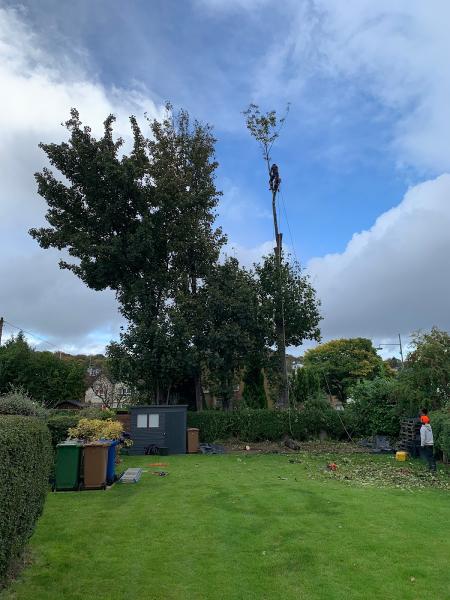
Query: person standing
{"type": "Point", "coordinates": [426, 440]}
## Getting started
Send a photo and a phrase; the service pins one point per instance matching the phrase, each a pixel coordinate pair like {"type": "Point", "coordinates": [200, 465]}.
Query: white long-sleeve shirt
{"type": "Point", "coordinates": [426, 435]}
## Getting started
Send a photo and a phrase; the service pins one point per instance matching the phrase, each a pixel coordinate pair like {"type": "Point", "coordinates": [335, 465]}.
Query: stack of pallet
{"type": "Point", "coordinates": [409, 439]}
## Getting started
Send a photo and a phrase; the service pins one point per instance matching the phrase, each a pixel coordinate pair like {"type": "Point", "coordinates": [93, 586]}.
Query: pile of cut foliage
{"type": "Point", "coordinates": [366, 470]}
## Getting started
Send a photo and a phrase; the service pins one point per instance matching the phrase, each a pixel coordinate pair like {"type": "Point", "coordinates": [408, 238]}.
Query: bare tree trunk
{"type": "Point", "coordinates": [226, 404]}
{"type": "Point", "coordinates": [283, 397]}
{"type": "Point", "coordinates": [198, 391]}
{"type": "Point", "coordinates": [158, 394]}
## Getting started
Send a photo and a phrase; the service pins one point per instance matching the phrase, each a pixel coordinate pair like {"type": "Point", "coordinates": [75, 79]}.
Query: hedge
{"type": "Point", "coordinates": [25, 459]}
{"type": "Point", "coordinates": [59, 426]}
{"type": "Point", "coordinates": [255, 425]}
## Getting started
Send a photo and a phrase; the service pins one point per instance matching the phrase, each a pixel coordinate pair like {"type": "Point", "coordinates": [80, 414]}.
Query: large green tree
{"type": "Point", "coordinates": [424, 381]}
{"type": "Point", "coordinates": [230, 326]}
{"type": "Point", "coordinates": [43, 375]}
{"type": "Point", "coordinates": [343, 362]}
{"type": "Point", "coordinates": [286, 294]}
{"type": "Point", "coordinates": [141, 224]}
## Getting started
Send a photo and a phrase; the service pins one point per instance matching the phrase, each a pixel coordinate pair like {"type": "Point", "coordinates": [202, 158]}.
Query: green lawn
{"type": "Point", "coordinates": [243, 527]}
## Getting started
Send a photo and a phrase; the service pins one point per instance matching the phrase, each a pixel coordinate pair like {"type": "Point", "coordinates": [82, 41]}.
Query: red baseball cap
{"type": "Point", "coordinates": [424, 419]}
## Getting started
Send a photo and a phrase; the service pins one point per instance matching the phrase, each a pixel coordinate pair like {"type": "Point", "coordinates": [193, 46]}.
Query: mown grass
{"type": "Point", "coordinates": [242, 527]}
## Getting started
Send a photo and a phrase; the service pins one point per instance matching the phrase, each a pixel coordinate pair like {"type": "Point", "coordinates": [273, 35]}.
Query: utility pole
{"type": "Point", "coordinates": [1, 329]}
{"type": "Point", "coordinates": [401, 348]}
{"type": "Point", "coordinates": [265, 128]}
{"type": "Point", "coordinates": [380, 347]}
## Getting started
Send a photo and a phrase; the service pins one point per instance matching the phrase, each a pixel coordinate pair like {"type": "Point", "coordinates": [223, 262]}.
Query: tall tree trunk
{"type": "Point", "coordinates": [198, 372]}
{"type": "Point", "coordinates": [283, 395]}
{"type": "Point", "coordinates": [158, 394]}
{"type": "Point", "coordinates": [198, 391]}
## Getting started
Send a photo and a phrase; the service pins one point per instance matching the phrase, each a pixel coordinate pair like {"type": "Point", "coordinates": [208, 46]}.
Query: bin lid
{"type": "Point", "coordinates": [99, 443]}
{"type": "Point", "coordinates": [109, 442]}
{"type": "Point", "coordinates": [193, 429]}
{"type": "Point", "coordinates": [70, 443]}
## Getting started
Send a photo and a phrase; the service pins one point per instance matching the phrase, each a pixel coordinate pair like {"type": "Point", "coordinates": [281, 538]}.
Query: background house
{"type": "Point", "coordinates": [104, 392]}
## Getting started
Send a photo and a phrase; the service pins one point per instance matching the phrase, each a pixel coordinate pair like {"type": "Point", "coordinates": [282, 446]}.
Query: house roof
{"type": "Point", "coordinates": [76, 403]}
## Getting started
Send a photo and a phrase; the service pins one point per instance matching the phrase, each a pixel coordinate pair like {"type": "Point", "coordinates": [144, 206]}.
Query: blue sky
{"type": "Point", "coordinates": [363, 155]}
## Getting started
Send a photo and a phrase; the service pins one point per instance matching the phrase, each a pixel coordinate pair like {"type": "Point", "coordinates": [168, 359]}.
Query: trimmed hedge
{"type": "Point", "coordinates": [255, 425]}
{"type": "Point", "coordinates": [25, 459]}
{"type": "Point", "coordinates": [59, 426]}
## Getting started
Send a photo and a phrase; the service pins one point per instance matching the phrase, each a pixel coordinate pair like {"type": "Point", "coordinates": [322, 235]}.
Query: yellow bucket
{"type": "Point", "coordinates": [402, 456]}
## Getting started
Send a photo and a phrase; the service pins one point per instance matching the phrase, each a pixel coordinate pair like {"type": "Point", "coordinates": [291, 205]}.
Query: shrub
{"type": "Point", "coordinates": [305, 383]}
{"type": "Point", "coordinates": [254, 425]}
{"type": "Point", "coordinates": [61, 421]}
{"type": "Point", "coordinates": [25, 459]}
{"type": "Point", "coordinates": [59, 426]}
{"type": "Point", "coordinates": [96, 429]}
{"type": "Point", "coordinates": [16, 402]}
{"type": "Point", "coordinates": [440, 422]}
{"type": "Point", "coordinates": [374, 409]}
{"type": "Point", "coordinates": [318, 415]}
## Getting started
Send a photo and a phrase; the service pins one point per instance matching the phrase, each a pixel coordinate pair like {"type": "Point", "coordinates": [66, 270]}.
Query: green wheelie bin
{"type": "Point", "coordinates": [67, 469]}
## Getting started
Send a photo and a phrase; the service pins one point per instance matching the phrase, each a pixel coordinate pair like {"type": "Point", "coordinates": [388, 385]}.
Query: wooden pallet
{"type": "Point", "coordinates": [131, 476]}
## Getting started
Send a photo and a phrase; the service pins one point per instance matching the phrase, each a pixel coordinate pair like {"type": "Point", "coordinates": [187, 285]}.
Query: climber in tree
{"type": "Point", "coordinates": [274, 181]}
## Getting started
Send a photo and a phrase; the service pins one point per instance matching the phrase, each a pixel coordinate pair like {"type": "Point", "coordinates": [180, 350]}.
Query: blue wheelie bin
{"type": "Point", "coordinates": [111, 464]}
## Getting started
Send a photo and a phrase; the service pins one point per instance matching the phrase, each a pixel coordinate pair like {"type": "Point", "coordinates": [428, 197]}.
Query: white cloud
{"type": "Point", "coordinates": [395, 53]}
{"type": "Point", "coordinates": [39, 87]}
{"type": "Point", "coordinates": [393, 277]}
{"type": "Point", "coordinates": [400, 53]}
{"type": "Point", "coordinates": [54, 304]}
{"type": "Point", "coordinates": [247, 256]}
{"type": "Point", "coordinates": [38, 90]}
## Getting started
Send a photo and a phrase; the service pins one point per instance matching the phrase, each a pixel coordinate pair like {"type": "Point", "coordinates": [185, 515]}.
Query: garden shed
{"type": "Point", "coordinates": [158, 425]}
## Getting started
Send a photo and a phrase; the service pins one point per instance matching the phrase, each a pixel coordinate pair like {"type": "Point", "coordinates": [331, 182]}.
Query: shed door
{"type": "Point", "coordinates": [150, 429]}
{"type": "Point", "coordinates": [176, 432]}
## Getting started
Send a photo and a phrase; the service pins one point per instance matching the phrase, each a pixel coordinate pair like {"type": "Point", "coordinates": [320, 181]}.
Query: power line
{"type": "Point", "coordinates": [288, 226]}
{"type": "Point", "coordinates": [32, 334]}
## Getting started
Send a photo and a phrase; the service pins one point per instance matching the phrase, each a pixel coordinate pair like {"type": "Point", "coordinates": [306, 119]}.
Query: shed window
{"type": "Point", "coordinates": [142, 421]}
{"type": "Point", "coordinates": [153, 420]}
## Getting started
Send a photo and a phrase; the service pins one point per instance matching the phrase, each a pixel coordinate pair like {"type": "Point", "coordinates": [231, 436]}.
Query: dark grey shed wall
{"type": "Point", "coordinates": [171, 432]}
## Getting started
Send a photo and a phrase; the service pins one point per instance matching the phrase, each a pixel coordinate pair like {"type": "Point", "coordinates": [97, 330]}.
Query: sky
{"type": "Point", "coordinates": [364, 156]}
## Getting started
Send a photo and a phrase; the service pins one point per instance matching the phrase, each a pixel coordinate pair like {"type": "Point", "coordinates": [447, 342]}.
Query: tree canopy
{"type": "Point", "coordinates": [343, 362]}
{"type": "Point", "coordinates": [43, 375]}
{"type": "Point", "coordinates": [140, 224]}
{"type": "Point", "coordinates": [425, 379]}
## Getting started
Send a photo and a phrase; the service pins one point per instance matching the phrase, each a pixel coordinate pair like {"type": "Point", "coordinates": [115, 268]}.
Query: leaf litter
{"type": "Point", "coordinates": [380, 473]}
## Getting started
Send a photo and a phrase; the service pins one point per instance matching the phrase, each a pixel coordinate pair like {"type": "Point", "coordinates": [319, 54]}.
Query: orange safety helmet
{"type": "Point", "coordinates": [424, 419]}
